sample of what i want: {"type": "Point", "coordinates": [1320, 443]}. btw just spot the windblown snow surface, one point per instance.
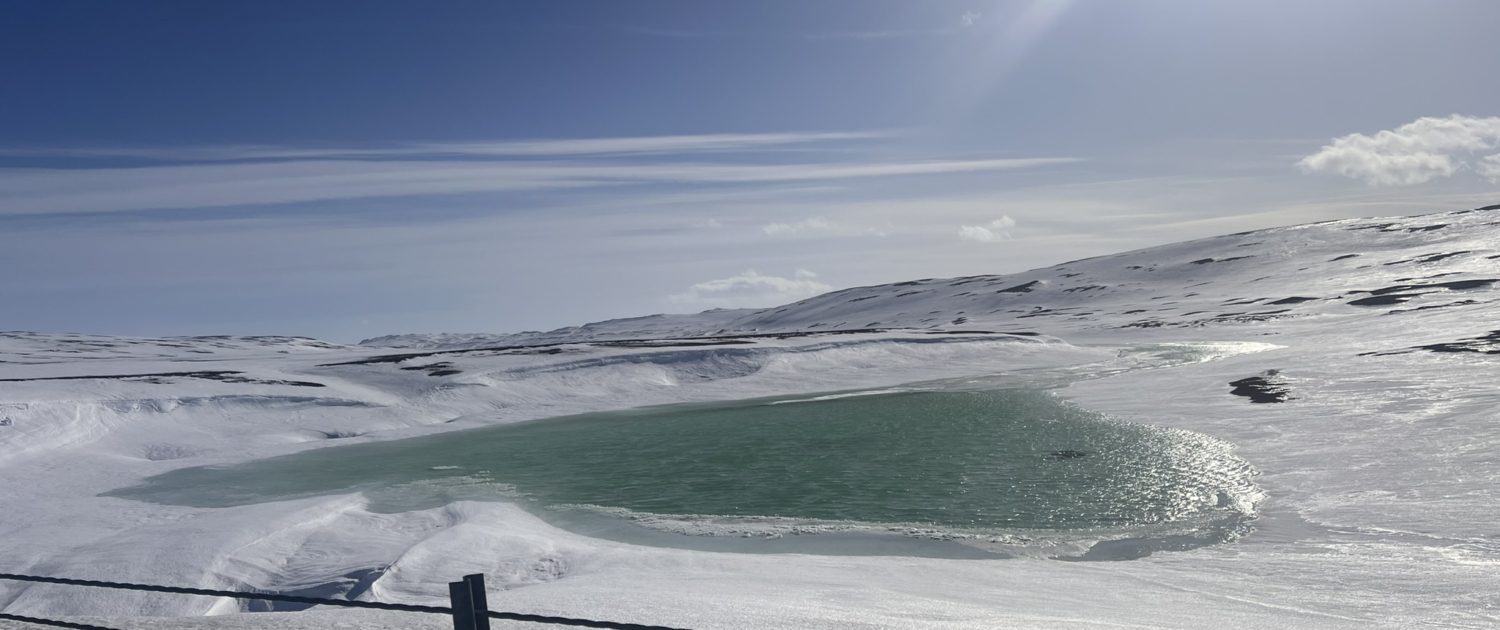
{"type": "Point", "coordinates": [1379, 338]}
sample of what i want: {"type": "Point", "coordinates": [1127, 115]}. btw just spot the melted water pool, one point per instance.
{"type": "Point", "coordinates": [1001, 460]}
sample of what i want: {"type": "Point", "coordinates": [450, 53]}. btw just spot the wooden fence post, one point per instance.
{"type": "Point", "coordinates": [477, 600]}
{"type": "Point", "coordinates": [463, 606]}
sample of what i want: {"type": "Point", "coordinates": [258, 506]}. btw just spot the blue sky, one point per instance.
{"type": "Point", "coordinates": [349, 169]}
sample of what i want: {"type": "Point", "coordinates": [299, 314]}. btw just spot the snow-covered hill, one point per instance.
{"type": "Point", "coordinates": [1352, 362]}
{"type": "Point", "coordinates": [1350, 268]}
{"type": "Point", "coordinates": [1333, 269]}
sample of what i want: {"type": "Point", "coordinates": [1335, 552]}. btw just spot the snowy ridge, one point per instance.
{"type": "Point", "coordinates": [1282, 273]}
{"type": "Point", "coordinates": [646, 327]}
{"type": "Point", "coordinates": [1430, 261]}
{"type": "Point", "coordinates": [1378, 463]}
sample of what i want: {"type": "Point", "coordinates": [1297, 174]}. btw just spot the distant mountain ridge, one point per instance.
{"type": "Point", "coordinates": [1353, 266]}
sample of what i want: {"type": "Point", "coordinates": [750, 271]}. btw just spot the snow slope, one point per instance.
{"type": "Point", "coordinates": [1298, 272]}
{"type": "Point", "coordinates": [1379, 467]}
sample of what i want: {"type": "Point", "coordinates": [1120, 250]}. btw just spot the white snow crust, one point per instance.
{"type": "Point", "coordinates": [1381, 474]}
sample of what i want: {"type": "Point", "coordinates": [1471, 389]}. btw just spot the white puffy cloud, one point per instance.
{"type": "Point", "coordinates": [1414, 153]}
{"type": "Point", "coordinates": [994, 231]}
{"type": "Point", "coordinates": [815, 224]}
{"type": "Point", "coordinates": [1489, 167]}
{"type": "Point", "coordinates": [752, 289]}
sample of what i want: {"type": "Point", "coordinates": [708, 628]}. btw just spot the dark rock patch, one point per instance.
{"type": "Point", "coordinates": [683, 342]}
{"type": "Point", "coordinates": [1344, 257]}
{"type": "Point", "coordinates": [1385, 300]}
{"type": "Point", "coordinates": [1266, 388]}
{"type": "Point", "coordinates": [263, 381]}
{"type": "Point", "coordinates": [984, 332]}
{"type": "Point", "coordinates": [1223, 318]}
{"type": "Point", "coordinates": [1395, 227]}
{"type": "Point", "coordinates": [968, 280]}
{"type": "Point", "coordinates": [1293, 300]}
{"type": "Point", "coordinates": [442, 368]}
{"type": "Point", "coordinates": [1436, 275]}
{"type": "Point", "coordinates": [1027, 287]}
{"type": "Point", "coordinates": [1205, 261]}
{"type": "Point", "coordinates": [1428, 258]}
{"type": "Point", "coordinates": [1402, 293]}
{"type": "Point", "coordinates": [553, 348]}
{"type": "Point", "coordinates": [539, 351]}
{"type": "Point", "coordinates": [1382, 227]}
{"type": "Point", "coordinates": [1455, 285]}
{"type": "Point", "coordinates": [1488, 343]}
{"type": "Point", "coordinates": [1432, 306]}
{"type": "Point", "coordinates": [162, 378]}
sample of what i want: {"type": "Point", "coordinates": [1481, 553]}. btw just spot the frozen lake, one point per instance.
{"type": "Point", "coordinates": [933, 462]}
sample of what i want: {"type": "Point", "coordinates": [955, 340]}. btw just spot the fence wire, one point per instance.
{"type": "Point", "coordinates": [50, 622]}
{"type": "Point", "coordinates": [443, 610]}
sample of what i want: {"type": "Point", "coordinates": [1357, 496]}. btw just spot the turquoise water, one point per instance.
{"type": "Point", "coordinates": [1000, 460]}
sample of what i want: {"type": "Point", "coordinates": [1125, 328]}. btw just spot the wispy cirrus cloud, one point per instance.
{"type": "Point", "coordinates": [1415, 153]}
{"type": "Point", "coordinates": [30, 191]}
{"type": "Point", "coordinates": [564, 147]}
